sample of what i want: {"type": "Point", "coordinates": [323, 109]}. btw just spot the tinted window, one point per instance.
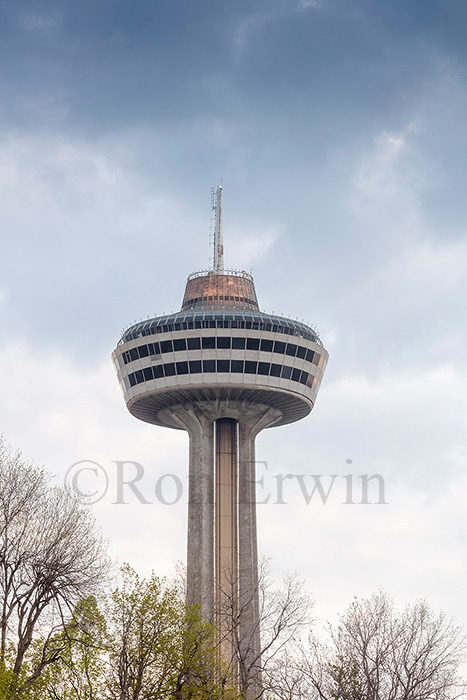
{"type": "Point", "coordinates": [158, 372]}
{"type": "Point", "coordinates": [309, 355]}
{"type": "Point", "coordinates": [180, 344]}
{"type": "Point", "coordinates": [195, 366]}
{"type": "Point", "coordinates": [252, 343]}
{"type": "Point", "coordinates": [208, 343]}
{"type": "Point", "coordinates": [223, 342]}
{"type": "Point", "coordinates": [291, 349]}
{"type": "Point", "coordinates": [139, 376]}
{"type": "Point", "coordinates": [147, 373]}
{"type": "Point", "coordinates": [209, 365]}
{"type": "Point", "coordinates": [166, 346]}
{"type": "Point", "coordinates": [194, 344]}
{"type": "Point", "coordinates": [133, 353]}
{"type": "Point", "coordinates": [143, 351]}
{"type": "Point", "coordinates": [286, 372]}
{"type": "Point", "coordinates": [182, 367]}
{"type": "Point", "coordinates": [238, 343]}
{"type": "Point", "coordinates": [250, 367]}
{"type": "Point", "coordinates": [237, 366]}
{"type": "Point", "coordinates": [296, 375]}
{"type": "Point", "coordinates": [169, 369]}
{"type": "Point", "coordinates": [266, 345]}
{"type": "Point", "coordinates": [301, 351]}
{"type": "Point", "coordinates": [279, 346]}
{"type": "Point", "coordinates": [263, 367]}
{"type": "Point", "coordinates": [275, 370]}
{"type": "Point", "coordinates": [304, 377]}
{"type": "Point", "coordinates": [223, 365]}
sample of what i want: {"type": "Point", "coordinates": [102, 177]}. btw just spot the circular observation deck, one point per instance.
{"type": "Point", "coordinates": [219, 350]}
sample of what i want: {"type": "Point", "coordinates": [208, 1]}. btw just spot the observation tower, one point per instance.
{"type": "Point", "coordinates": [223, 371]}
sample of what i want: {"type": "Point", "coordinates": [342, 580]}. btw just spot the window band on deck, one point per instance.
{"type": "Point", "coordinates": [171, 369]}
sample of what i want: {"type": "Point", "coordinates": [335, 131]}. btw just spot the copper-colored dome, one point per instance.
{"type": "Point", "coordinates": [209, 288]}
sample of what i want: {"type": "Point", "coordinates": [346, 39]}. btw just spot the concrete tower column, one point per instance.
{"type": "Point", "coordinates": [226, 516]}
{"type": "Point", "coordinates": [200, 538]}
{"type": "Point", "coordinates": [226, 537]}
{"type": "Point", "coordinates": [222, 569]}
{"type": "Point", "coordinates": [249, 621]}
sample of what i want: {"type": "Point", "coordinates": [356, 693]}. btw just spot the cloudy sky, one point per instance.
{"type": "Point", "coordinates": [339, 131]}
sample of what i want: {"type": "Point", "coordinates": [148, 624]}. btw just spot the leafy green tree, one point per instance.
{"type": "Point", "coordinates": [142, 618]}
{"type": "Point", "coordinates": [8, 684]}
{"type": "Point", "coordinates": [201, 673]}
{"type": "Point", "coordinates": [157, 647]}
{"type": "Point", "coordinates": [81, 665]}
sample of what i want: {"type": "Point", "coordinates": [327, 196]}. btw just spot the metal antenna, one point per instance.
{"type": "Point", "coordinates": [216, 204]}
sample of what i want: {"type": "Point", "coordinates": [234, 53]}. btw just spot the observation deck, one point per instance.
{"type": "Point", "coordinates": [219, 348]}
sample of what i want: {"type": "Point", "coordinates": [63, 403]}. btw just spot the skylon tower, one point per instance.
{"type": "Point", "coordinates": [223, 371]}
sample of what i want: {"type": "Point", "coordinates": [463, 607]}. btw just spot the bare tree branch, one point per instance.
{"type": "Point", "coordinates": [50, 557]}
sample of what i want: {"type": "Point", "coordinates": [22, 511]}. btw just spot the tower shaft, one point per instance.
{"type": "Point", "coordinates": [226, 519]}
{"type": "Point", "coordinates": [222, 568]}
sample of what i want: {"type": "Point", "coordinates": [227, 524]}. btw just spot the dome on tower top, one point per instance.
{"type": "Point", "coordinates": [210, 289]}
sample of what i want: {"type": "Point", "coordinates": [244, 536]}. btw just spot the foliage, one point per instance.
{"type": "Point", "coordinates": [158, 648]}
{"type": "Point", "coordinates": [8, 684]}
{"type": "Point", "coordinates": [145, 645]}
{"type": "Point", "coordinates": [80, 667]}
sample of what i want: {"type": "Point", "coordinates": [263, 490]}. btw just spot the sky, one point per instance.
{"type": "Point", "coordinates": [339, 132]}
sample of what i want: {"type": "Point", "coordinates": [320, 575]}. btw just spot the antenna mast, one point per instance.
{"type": "Point", "coordinates": [218, 264]}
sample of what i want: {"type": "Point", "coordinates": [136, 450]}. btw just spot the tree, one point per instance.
{"type": "Point", "coordinates": [283, 613]}
{"type": "Point", "coordinates": [379, 653]}
{"type": "Point", "coordinates": [142, 618]}
{"type": "Point", "coordinates": [158, 648]}
{"type": "Point", "coordinates": [81, 666]}
{"type": "Point", "coordinates": [144, 644]}
{"type": "Point", "coordinates": [51, 557]}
